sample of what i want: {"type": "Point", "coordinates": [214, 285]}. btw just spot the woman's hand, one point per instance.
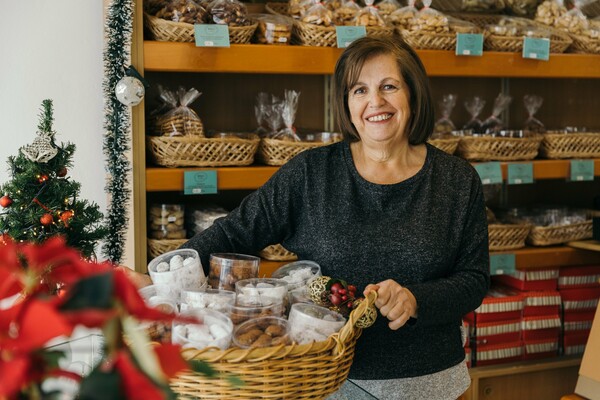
{"type": "Point", "coordinates": [394, 302]}
{"type": "Point", "coordinates": [138, 279]}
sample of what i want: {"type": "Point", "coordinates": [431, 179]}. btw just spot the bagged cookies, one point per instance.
{"type": "Point", "coordinates": [318, 14]}
{"type": "Point", "coordinates": [532, 105]}
{"type": "Point", "coordinates": [346, 13]}
{"type": "Point", "coordinates": [386, 7]}
{"type": "Point", "coordinates": [186, 11]}
{"type": "Point", "coordinates": [273, 29]}
{"type": "Point", "coordinates": [444, 124]}
{"type": "Point", "coordinates": [229, 12]}
{"type": "Point", "coordinates": [166, 221]}
{"type": "Point", "coordinates": [429, 20]}
{"type": "Point", "coordinates": [179, 119]}
{"type": "Point", "coordinates": [369, 16]}
{"type": "Point", "coordinates": [288, 116]}
{"type": "Point", "coordinates": [493, 123]}
{"type": "Point", "coordinates": [474, 106]}
{"type": "Point", "coordinates": [403, 17]}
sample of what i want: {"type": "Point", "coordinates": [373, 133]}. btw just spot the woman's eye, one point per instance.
{"type": "Point", "coordinates": [389, 87]}
{"type": "Point", "coordinates": [359, 90]}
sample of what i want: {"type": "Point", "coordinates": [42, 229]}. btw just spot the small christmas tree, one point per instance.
{"type": "Point", "coordinates": [41, 201]}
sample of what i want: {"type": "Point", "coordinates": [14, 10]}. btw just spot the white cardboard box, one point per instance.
{"type": "Point", "coordinates": [588, 383]}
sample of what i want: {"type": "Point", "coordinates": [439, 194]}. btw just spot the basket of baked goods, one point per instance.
{"type": "Point", "coordinates": [508, 33]}
{"type": "Point", "coordinates": [443, 136]}
{"type": "Point", "coordinates": [505, 233]}
{"type": "Point", "coordinates": [429, 28]}
{"type": "Point", "coordinates": [584, 32]}
{"type": "Point", "coordinates": [556, 225]}
{"type": "Point", "coordinates": [179, 139]}
{"type": "Point", "coordinates": [166, 228]}
{"type": "Point", "coordinates": [174, 20]}
{"type": "Point", "coordinates": [276, 252]}
{"type": "Point", "coordinates": [571, 142]}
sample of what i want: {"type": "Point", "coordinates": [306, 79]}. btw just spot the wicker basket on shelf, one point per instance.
{"type": "Point", "coordinates": [559, 40]}
{"type": "Point", "coordinates": [428, 40]}
{"type": "Point", "coordinates": [156, 247]}
{"type": "Point", "coordinates": [449, 144]}
{"type": "Point", "coordinates": [307, 371]}
{"type": "Point", "coordinates": [307, 34]}
{"type": "Point", "coordinates": [277, 152]}
{"type": "Point", "coordinates": [189, 151]}
{"type": "Point", "coordinates": [169, 31]}
{"type": "Point", "coordinates": [549, 235]}
{"type": "Point", "coordinates": [485, 148]}
{"type": "Point", "coordinates": [584, 44]}
{"type": "Point", "coordinates": [570, 145]}
{"type": "Point", "coordinates": [507, 236]}
{"type": "Point", "coordinates": [277, 252]}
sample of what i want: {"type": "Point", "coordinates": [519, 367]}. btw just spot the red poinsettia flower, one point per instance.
{"type": "Point", "coordinates": [135, 384]}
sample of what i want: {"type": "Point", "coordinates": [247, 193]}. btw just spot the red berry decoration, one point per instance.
{"type": "Point", "coordinates": [46, 219]}
{"type": "Point", "coordinates": [5, 201]}
{"type": "Point", "coordinates": [42, 178]}
{"type": "Point", "coordinates": [61, 173]}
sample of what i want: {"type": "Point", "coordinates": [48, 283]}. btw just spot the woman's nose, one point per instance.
{"type": "Point", "coordinates": [376, 99]}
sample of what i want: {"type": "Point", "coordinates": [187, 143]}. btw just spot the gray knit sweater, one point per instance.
{"type": "Point", "coordinates": [428, 233]}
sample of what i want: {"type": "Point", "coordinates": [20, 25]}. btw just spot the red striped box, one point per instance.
{"type": "Point", "coordinates": [574, 342]}
{"type": "Point", "coordinates": [468, 356]}
{"type": "Point", "coordinates": [540, 327]}
{"type": "Point", "coordinates": [580, 299]}
{"type": "Point", "coordinates": [489, 354]}
{"type": "Point", "coordinates": [539, 279]}
{"type": "Point", "coordinates": [496, 332]}
{"type": "Point", "coordinates": [541, 303]}
{"type": "Point", "coordinates": [579, 277]}
{"type": "Point", "coordinates": [500, 303]}
{"type": "Point", "coordinates": [575, 320]}
{"type": "Point", "coordinates": [543, 348]}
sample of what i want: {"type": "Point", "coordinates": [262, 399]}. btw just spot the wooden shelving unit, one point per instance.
{"type": "Point", "coordinates": [554, 256]}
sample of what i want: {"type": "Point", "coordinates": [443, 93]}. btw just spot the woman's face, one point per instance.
{"type": "Point", "coordinates": [379, 102]}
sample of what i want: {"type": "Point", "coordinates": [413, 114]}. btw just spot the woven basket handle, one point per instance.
{"type": "Point", "coordinates": [349, 329]}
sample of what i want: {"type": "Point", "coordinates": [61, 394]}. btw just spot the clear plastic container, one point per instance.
{"type": "Point", "coordinates": [215, 330]}
{"type": "Point", "coordinates": [262, 332]}
{"type": "Point", "coordinates": [158, 297]}
{"type": "Point", "coordinates": [299, 295]}
{"type": "Point", "coordinates": [215, 299]}
{"type": "Point", "coordinates": [261, 291]}
{"type": "Point", "coordinates": [228, 268]}
{"type": "Point", "coordinates": [178, 269]}
{"type": "Point", "coordinates": [310, 322]}
{"type": "Point", "coordinates": [240, 314]}
{"type": "Point", "coordinates": [297, 273]}
{"type": "Point", "coordinates": [166, 221]}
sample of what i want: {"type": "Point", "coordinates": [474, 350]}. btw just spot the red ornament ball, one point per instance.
{"type": "Point", "coordinates": [5, 201]}
{"type": "Point", "coordinates": [46, 219]}
{"type": "Point", "coordinates": [43, 178]}
{"type": "Point", "coordinates": [61, 173]}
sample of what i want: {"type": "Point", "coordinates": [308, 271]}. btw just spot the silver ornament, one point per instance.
{"type": "Point", "coordinates": [130, 91]}
{"type": "Point", "coordinates": [41, 150]}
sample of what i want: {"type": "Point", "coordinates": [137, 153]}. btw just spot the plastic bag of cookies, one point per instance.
{"type": "Point", "coordinates": [474, 106]}
{"type": "Point", "coordinates": [229, 12]}
{"type": "Point", "coordinates": [549, 11]}
{"type": "Point", "coordinates": [345, 14]}
{"type": "Point", "coordinates": [485, 6]}
{"type": "Point", "coordinates": [332, 4]}
{"type": "Point", "coordinates": [369, 16]}
{"type": "Point", "coordinates": [166, 221]}
{"type": "Point", "coordinates": [403, 17]}
{"type": "Point", "coordinates": [461, 26]}
{"type": "Point", "coordinates": [532, 104]}
{"type": "Point", "coordinates": [429, 20]}
{"type": "Point", "coordinates": [574, 21]}
{"type": "Point", "coordinates": [273, 29]}
{"type": "Point", "coordinates": [522, 7]}
{"type": "Point", "coordinates": [493, 123]}
{"type": "Point", "coordinates": [386, 7]}
{"type": "Point", "coordinates": [179, 119]}
{"type": "Point", "coordinates": [318, 14]}
{"type": "Point", "coordinates": [186, 11]}
{"type": "Point", "coordinates": [288, 115]}
{"type": "Point", "coordinates": [444, 124]}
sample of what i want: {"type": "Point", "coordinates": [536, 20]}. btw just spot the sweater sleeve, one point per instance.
{"type": "Point", "coordinates": [448, 299]}
{"type": "Point", "coordinates": [264, 217]}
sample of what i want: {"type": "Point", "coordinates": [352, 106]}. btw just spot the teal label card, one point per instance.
{"type": "Point", "coordinates": [469, 44]}
{"type": "Point", "coordinates": [536, 48]}
{"type": "Point", "coordinates": [211, 35]}
{"type": "Point", "coordinates": [348, 34]}
{"type": "Point", "coordinates": [200, 182]}
{"type": "Point", "coordinates": [502, 264]}
{"type": "Point", "coordinates": [490, 173]}
{"type": "Point", "coordinates": [582, 170]}
{"type": "Point", "coordinates": [520, 173]}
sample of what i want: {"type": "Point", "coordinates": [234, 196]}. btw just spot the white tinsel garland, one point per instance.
{"type": "Point", "coordinates": [117, 124]}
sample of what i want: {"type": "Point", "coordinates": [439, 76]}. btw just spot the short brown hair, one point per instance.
{"type": "Point", "coordinates": [347, 71]}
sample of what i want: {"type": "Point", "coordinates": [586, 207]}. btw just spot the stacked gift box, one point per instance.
{"type": "Point", "coordinates": [579, 288]}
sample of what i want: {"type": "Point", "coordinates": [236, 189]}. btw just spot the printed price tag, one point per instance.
{"type": "Point", "coordinates": [502, 264]}
{"type": "Point", "coordinates": [582, 170]}
{"type": "Point", "coordinates": [211, 35]}
{"type": "Point", "coordinates": [348, 34]}
{"type": "Point", "coordinates": [469, 44]}
{"type": "Point", "coordinates": [200, 182]}
{"type": "Point", "coordinates": [520, 173]}
{"type": "Point", "coordinates": [490, 173]}
{"type": "Point", "coordinates": [536, 48]}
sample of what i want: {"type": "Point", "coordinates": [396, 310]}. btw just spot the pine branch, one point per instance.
{"type": "Point", "coordinates": [46, 117]}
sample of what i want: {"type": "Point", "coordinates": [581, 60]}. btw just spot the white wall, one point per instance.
{"type": "Point", "coordinates": [53, 49]}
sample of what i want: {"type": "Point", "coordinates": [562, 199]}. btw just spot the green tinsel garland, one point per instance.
{"type": "Point", "coordinates": [117, 126]}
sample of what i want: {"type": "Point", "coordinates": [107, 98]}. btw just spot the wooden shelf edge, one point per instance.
{"type": "Point", "coordinates": [520, 367]}
{"type": "Point", "coordinates": [268, 59]}
{"type": "Point", "coordinates": [554, 256]}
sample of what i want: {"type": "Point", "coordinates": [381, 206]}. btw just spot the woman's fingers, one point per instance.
{"type": "Point", "coordinates": [394, 302]}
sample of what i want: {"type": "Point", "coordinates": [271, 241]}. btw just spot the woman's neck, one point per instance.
{"type": "Point", "coordinates": [385, 164]}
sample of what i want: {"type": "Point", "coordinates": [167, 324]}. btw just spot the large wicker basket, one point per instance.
{"type": "Point", "coordinates": [156, 247]}
{"type": "Point", "coordinates": [308, 371]}
{"type": "Point", "coordinates": [428, 41]}
{"type": "Point", "coordinates": [277, 252]}
{"type": "Point", "coordinates": [277, 152]}
{"type": "Point", "coordinates": [307, 34]}
{"type": "Point", "coordinates": [449, 144]}
{"type": "Point", "coordinates": [169, 31]}
{"type": "Point", "coordinates": [484, 148]}
{"type": "Point", "coordinates": [549, 235]}
{"type": "Point", "coordinates": [570, 145]}
{"type": "Point", "coordinates": [507, 236]}
{"type": "Point", "coordinates": [584, 44]}
{"type": "Point", "coordinates": [189, 151]}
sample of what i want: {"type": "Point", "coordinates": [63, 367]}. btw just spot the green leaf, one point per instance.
{"type": "Point", "coordinates": [235, 381]}
{"type": "Point", "coordinates": [141, 348]}
{"type": "Point", "coordinates": [101, 385]}
{"type": "Point", "coordinates": [93, 292]}
{"type": "Point", "coordinates": [52, 357]}
{"type": "Point", "coordinates": [202, 367]}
